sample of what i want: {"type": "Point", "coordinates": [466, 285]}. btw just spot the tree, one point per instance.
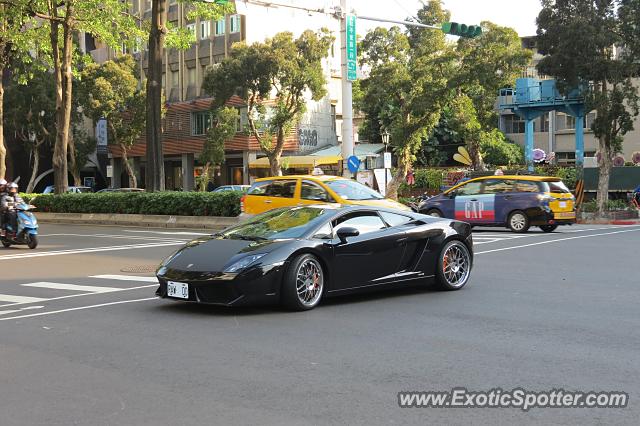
{"type": "Point", "coordinates": [83, 146]}
{"type": "Point", "coordinates": [31, 116]}
{"type": "Point", "coordinates": [16, 40]}
{"type": "Point", "coordinates": [289, 69]}
{"type": "Point", "coordinates": [408, 85]}
{"type": "Point", "coordinates": [180, 38]}
{"type": "Point", "coordinates": [593, 45]}
{"type": "Point", "coordinates": [223, 128]}
{"type": "Point", "coordinates": [110, 91]}
{"type": "Point", "coordinates": [107, 20]}
{"type": "Point", "coordinates": [498, 151]}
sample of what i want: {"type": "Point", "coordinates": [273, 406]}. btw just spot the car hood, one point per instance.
{"type": "Point", "coordinates": [385, 202]}
{"type": "Point", "coordinates": [212, 254]}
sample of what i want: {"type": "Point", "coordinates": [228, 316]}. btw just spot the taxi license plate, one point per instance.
{"type": "Point", "coordinates": [567, 215]}
{"type": "Point", "coordinates": [179, 290]}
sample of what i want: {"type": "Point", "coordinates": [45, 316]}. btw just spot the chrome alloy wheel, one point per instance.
{"type": "Point", "coordinates": [456, 265]}
{"type": "Point", "coordinates": [518, 222]}
{"type": "Point", "coordinates": [309, 282]}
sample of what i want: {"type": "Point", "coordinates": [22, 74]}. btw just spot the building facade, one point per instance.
{"type": "Point", "coordinates": [187, 116]}
{"type": "Point", "coordinates": [555, 131]}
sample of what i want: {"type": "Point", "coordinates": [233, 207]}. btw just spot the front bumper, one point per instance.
{"type": "Point", "coordinates": [259, 285]}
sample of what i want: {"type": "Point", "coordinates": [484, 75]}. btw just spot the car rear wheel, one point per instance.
{"type": "Point", "coordinates": [303, 284]}
{"type": "Point", "coordinates": [454, 266]}
{"type": "Point", "coordinates": [548, 228]}
{"type": "Point", "coordinates": [518, 222]}
{"type": "Point", "coordinates": [434, 213]}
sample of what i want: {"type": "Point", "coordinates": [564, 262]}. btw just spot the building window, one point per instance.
{"type": "Point", "coordinates": [200, 123]}
{"type": "Point", "coordinates": [544, 121]}
{"type": "Point", "coordinates": [191, 76]}
{"type": "Point", "coordinates": [191, 28]}
{"type": "Point", "coordinates": [220, 27]}
{"type": "Point", "coordinates": [205, 30]}
{"type": "Point", "coordinates": [513, 124]}
{"type": "Point", "coordinates": [175, 79]}
{"type": "Point", "coordinates": [333, 118]}
{"type": "Point", "coordinates": [234, 24]}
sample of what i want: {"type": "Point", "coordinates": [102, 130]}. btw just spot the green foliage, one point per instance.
{"type": "Point", "coordinates": [84, 146]}
{"type": "Point", "coordinates": [441, 144]}
{"type": "Point", "coordinates": [429, 178]}
{"type": "Point", "coordinates": [157, 203]}
{"type": "Point", "coordinates": [498, 151]}
{"type": "Point", "coordinates": [291, 68]}
{"type": "Point", "coordinates": [223, 128]}
{"type": "Point", "coordinates": [611, 205]}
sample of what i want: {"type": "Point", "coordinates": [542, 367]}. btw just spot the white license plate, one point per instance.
{"type": "Point", "coordinates": [563, 204]}
{"type": "Point", "coordinates": [179, 290]}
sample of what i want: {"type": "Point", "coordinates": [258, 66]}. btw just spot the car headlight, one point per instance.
{"type": "Point", "coordinates": [243, 263]}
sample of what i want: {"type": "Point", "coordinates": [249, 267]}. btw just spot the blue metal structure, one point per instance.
{"type": "Point", "coordinates": [533, 98]}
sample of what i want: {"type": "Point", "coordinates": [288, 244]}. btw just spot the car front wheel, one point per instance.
{"type": "Point", "coordinates": [303, 284]}
{"type": "Point", "coordinates": [518, 222]}
{"type": "Point", "coordinates": [434, 213]}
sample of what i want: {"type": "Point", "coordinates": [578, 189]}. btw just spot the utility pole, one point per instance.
{"type": "Point", "coordinates": [347, 99]}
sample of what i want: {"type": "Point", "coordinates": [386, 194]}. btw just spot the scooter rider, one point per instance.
{"type": "Point", "coordinates": [7, 205]}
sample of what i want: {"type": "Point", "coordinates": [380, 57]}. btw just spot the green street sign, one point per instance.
{"type": "Point", "coordinates": [352, 46]}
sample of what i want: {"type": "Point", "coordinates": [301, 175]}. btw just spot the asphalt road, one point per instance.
{"type": "Point", "coordinates": [84, 341]}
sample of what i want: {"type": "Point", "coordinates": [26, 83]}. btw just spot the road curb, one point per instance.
{"type": "Point", "coordinates": [608, 222]}
{"type": "Point", "coordinates": [150, 221]}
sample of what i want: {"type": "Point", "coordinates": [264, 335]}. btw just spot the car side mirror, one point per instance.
{"type": "Point", "coordinates": [452, 194]}
{"type": "Point", "coordinates": [346, 232]}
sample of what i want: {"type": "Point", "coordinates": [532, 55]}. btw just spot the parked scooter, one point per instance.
{"type": "Point", "coordinates": [27, 232]}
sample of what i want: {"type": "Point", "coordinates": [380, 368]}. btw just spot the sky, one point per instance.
{"type": "Point", "coordinates": [518, 14]}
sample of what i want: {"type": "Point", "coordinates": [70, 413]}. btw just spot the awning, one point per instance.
{"type": "Point", "coordinates": [297, 161]}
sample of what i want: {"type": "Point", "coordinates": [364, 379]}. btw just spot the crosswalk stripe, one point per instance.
{"type": "Point", "coordinates": [71, 287]}
{"type": "Point", "coordinates": [19, 299]}
{"type": "Point", "coordinates": [126, 278]}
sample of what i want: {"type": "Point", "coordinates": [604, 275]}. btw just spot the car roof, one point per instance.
{"type": "Point", "coordinates": [516, 177]}
{"type": "Point", "coordinates": [356, 207]}
{"type": "Point", "coordinates": [322, 178]}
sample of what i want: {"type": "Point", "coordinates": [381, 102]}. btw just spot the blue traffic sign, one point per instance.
{"type": "Point", "coordinates": [353, 164]}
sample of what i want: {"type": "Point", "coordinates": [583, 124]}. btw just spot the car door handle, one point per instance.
{"type": "Point", "coordinates": [401, 241]}
{"type": "Point", "coordinates": [473, 199]}
{"type": "Point", "coordinates": [267, 201]}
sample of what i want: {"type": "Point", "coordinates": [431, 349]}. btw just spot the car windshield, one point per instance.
{"type": "Point", "coordinates": [556, 186]}
{"type": "Point", "coordinates": [352, 190]}
{"type": "Point", "coordinates": [277, 224]}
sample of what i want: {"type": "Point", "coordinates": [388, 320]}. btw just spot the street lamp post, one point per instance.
{"type": "Point", "coordinates": [385, 140]}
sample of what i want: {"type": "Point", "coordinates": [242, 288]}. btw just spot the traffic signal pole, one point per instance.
{"type": "Point", "coordinates": [347, 98]}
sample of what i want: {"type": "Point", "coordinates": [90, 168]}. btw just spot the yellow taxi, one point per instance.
{"type": "Point", "coordinates": [288, 191]}
{"type": "Point", "coordinates": [516, 202]}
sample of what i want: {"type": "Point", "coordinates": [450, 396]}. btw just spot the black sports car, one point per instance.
{"type": "Point", "coordinates": [299, 255]}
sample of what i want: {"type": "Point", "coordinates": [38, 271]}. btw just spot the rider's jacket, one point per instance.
{"type": "Point", "coordinates": [9, 201]}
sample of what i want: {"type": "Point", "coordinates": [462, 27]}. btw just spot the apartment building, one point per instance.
{"type": "Point", "coordinates": [187, 118]}
{"type": "Point", "coordinates": [555, 131]}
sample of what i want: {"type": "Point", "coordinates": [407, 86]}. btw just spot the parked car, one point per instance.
{"type": "Point", "coordinates": [242, 188]}
{"type": "Point", "coordinates": [72, 189]}
{"type": "Point", "coordinates": [121, 190]}
{"type": "Point", "coordinates": [288, 191]}
{"type": "Point", "coordinates": [299, 255]}
{"type": "Point", "coordinates": [517, 202]}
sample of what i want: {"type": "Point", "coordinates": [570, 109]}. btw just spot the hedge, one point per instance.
{"type": "Point", "coordinates": [157, 203]}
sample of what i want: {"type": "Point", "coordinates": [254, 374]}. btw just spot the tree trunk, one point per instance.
{"type": "Point", "coordinates": [404, 164]}
{"type": "Point", "coordinates": [74, 168]}
{"type": "Point", "coordinates": [133, 181]}
{"type": "Point", "coordinates": [36, 167]}
{"type": "Point", "coordinates": [204, 180]}
{"type": "Point", "coordinates": [3, 148]}
{"type": "Point", "coordinates": [155, 161]}
{"type": "Point", "coordinates": [605, 165]}
{"type": "Point", "coordinates": [476, 157]}
{"type": "Point", "coordinates": [274, 156]}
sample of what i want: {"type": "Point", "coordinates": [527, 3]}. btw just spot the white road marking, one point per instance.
{"type": "Point", "coordinates": [114, 236]}
{"type": "Point", "coordinates": [13, 311]}
{"type": "Point", "coordinates": [126, 278]}
{"type": "Point", "coordinates": [79, 308]}
{"type": "Point", "coordinates": [78, 295]}
{"type": "Point", "coordinates": [170, 233]}
{"type": "Point", "coordinates": [557, 240]}
{"type": "Point", "coordinates": [19, 299]}
{"type": "Point", "coordinates": [88, 250]}
{"type": "Point", "coordinates": [71, 287]}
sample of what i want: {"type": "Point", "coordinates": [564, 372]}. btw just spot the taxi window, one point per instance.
{"type": "Point", "coordinates": [526, 186]}
{"type": "Point", "coordinates": [281, 188]}
{"type": "Point", "coordinates": [259, 188]}
{"type": "Point", "coordinates": [313, 191]}
{"type": "Point", "coordinates": [472, 188]}
{"type": "Point", "coordinates": [496, 186]}
{"type": "Point", "coordinates": [557, 186]}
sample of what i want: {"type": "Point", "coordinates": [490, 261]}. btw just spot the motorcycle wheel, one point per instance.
{"type": "Point", "coordinates": [6, 243]}
{"type": "Point", "coordinates": [32, 242]}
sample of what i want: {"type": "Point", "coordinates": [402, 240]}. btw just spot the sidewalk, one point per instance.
{"type": "Point", "coordinates": [151, 221]}
{"type": "Point", "coordinates": [608, 221]}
